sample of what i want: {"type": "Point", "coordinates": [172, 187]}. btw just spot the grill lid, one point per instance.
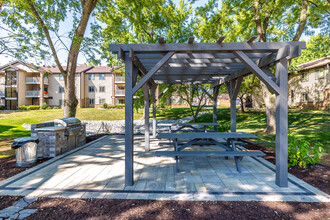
{"type": "Point", "coordinates": [68, 122]}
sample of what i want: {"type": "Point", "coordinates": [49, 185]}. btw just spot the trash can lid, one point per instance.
{"type": "Point", "coordinates": [19, 142]}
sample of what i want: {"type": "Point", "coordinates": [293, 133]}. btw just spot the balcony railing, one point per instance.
{"type": "Point", "coordinates": [2, 94]}
{"type": "Point", "coordinates": [120, 92]}
{"type": "Point", "coordinates": [35, 80]}
{"type": "Point", "coordinates": [33, 94]}
{"type": "Point", "coordinates": [119, 79]}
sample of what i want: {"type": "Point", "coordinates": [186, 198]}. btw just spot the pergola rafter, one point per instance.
{"type": "Point", "coordinates": [207, 63]}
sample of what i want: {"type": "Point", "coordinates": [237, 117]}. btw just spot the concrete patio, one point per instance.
{"type": "Point", "coordinates": [96, 170]}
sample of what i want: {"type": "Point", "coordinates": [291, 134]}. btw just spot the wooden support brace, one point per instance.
{"type": "Point", "coordinates": [148, 76]}
{"type": "Point", "coordinates": [206, 92]}
{"type": "Point", "coordinates": [154, 122]}
{"type": "Point", "coordinates": [163, 92]}
{"type": "Point", "coordinates": [257, 71]}
{"type": "Point", "coordinates": [191, 40]}
{"type": "Point", "coordinates": [161, 40]}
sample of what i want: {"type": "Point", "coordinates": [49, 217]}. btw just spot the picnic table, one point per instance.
{"type": "Point", "coordinates": [208, 138]}
{"type": "Point", "coordinates": [189, 126]}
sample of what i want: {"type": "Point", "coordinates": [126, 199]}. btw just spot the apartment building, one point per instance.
{"type": "Point", "coordinates": [310, 88]}
{"type": "Point", "coordinates": [25, 84]}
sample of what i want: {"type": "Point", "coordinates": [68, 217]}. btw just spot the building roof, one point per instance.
{"type": "Point", "coordinates": [79, 69]}
{"type": "Point", "coordinates": [17, 62]}
{"type": "Point", "coordinates": [314, 63]}
{"type": "Point", "coordinates": [103, 69]}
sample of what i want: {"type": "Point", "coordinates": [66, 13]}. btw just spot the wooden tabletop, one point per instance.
{"type": "Point", "coordinates": [206, 135]}
{"type": "Point", "coordinates": [188, 124]}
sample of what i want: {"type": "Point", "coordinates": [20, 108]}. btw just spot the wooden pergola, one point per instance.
{"type": "Point", "coordinates": [207, 63]}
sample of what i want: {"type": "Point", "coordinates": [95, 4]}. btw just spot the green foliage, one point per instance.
{"type": "Point", "coordinates": [23, 107]}
{"type": "Point", "coordinates": [317, 47]}
{"type": "Point", "coordinates": [33, 107]}
{"type": "Point", "coordinates": [224, 127]}
{"type": "Point", "coordinates": [44, 106]}
{"type": "Point", "coordinates": [116, 106]}
{"type": "Point", "coordinates": [49, 107]}
{"type": "Point", "coordinates": [105, 105]}
{"type": "Point", "coordinates": [143, 21]}
{"type": "Point", "coordinates": [55, 107]}
{"type": "Point", "coordinates": [2, 107]}
{"type": "Point", "coordinates": [302, 152]}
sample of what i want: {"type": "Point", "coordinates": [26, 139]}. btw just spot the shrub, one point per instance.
{"type": "Point", "coordinates": [49, 107]}
{"type": "Point", "coordinates": [55, 107]}
{"type": "Point", "coordinates": [301, 152]}
{"type": "Point", "coordinates": [2, 107]}
{"type": "Point", "coordinates": [44, 105]}
{"type": "Point", "coordinates": [23, 107]}
{"type": "Point", "coordinates": [105, 105]}
{"type": "Point", "coordinates": [33, 107]}
{"type": "Point", "coordinates": [223, 127]}
{"type": "Point", "coordinates": [116, 106]}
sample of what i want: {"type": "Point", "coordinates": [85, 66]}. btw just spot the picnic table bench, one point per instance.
{"type": "Point", "coordinates": [190, 126]}
{"type": "Point", "coordinates": [208, 138]}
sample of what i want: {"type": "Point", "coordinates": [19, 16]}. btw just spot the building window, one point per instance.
{"type": "Point", "coordinates": [319, 96]}
{"type": "Point", "coordinates": [304, 97]}
{"type": "Point", "coordinates": [101, 76]}
{"type": "Point", "coordinates": [91, 89]}
{"type": "Point", "coordinates": [61, 89]}
{"type": "Point", "coordinates": [60, 102]}
{"type": "Point", "coordinates": [304, 76]}
{"type": "Point", "coordinates": [102, 89]}
{"type": "Point", "coordinates": [91, 76]}
{"type": "Point", "coordinates": [121, 101]}
{"type": "Point", "coordinates": [102, 101]}
{"type": "Point", "coordinates": [91, 101]}
{"type": "Point", "coordinates": [320, 73]}
{"type": "Point", "coordinates": [61, 76]}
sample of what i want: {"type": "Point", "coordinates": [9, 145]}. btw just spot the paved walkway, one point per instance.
{"type": "Point", "coordinates": [96, 170]}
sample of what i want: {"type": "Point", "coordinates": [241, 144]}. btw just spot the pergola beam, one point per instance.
{"type": "Point", "coordinates": [205, 91]}
{"type": "Point", "coordinates": [205, 47]}
{"type": "Point", "coordinates": [251, 39]}
{"type": "Point", "coordinates": [148, 76]}
{"type": "Point", "coordinates": [219, 41]}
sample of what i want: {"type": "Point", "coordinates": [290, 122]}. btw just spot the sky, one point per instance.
{"type": "Point", "coordinates": [67, 25]}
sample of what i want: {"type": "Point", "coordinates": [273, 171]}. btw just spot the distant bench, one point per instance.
{"type": "Point", "coordinates": [208, 138]}
{"type": "Point", "coordinates": [189, 126]}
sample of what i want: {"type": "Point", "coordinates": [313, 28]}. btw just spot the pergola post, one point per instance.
{"type": "Point", "coordinates": [215, 104]}
{"type": "Point", "coordinates": [233, 87]}
{"type": "Point", "coordinates": [282, 123]}
{"type": "Point", "coordinates": [154, 122]}
{"type": "Point", "coordinates": [129, 139]}
{"type": "Point", "coordinates": [146, 95]}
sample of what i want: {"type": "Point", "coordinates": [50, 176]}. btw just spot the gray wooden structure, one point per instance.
{"type": "Point", "coordinates": [207, 63]}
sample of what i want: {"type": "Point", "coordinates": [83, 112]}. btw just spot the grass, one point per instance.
{"type": "Point", "coordinates": [313, 127]}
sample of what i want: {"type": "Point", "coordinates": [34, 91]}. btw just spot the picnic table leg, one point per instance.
{"type": "Point", "coordinates": [228, 144]}
{"type": "Point", "coordinates": [237, 159]}
{"type": "Point", "coordinates": [176, 157]}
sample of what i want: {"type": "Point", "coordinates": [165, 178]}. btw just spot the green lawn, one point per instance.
{"type": "Point", "coordinates": [313, 127]}
{"type": "Point", "coordinates": [11, 122]}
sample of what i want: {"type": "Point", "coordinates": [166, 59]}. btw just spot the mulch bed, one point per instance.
{"type": "Point", "coordinates": [317, 175]}
{"type": "Point", "coordinates": [6, 201]}
{"type": "Point", "coordinates": [53, 208]}
{"type": "Point", "coordinates": [8, 167]}
{"type": "Point", "coordinates": [94, 137]}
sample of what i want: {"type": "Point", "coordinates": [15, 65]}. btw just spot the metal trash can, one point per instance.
{"type": "Point", "coordinates": [26, 151]}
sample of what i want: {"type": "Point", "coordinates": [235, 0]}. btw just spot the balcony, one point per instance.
{"type": "Point", "coordinates": [33, 94]}
{"type": "Point", "coordinates": [119, 79]}
{"type": "Point", "coordinates": [120, 92]}
{"type": "Point", "coordinates": [35, 80]}
{"type": "Point", "coordinates": [2, 93]}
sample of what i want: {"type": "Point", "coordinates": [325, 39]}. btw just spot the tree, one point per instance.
{"type": "Point", "coordinates": [40, 22]}
{"type": "Point", "coordinates": [250, 85]}
{"type": "Point", "coordinates": [317, 47]}
{"type": "Point", "coordinates": [270, 21]}
{"type": "Point", "coordinates": [194, 96]}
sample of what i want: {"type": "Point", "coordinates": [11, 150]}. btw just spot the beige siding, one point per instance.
{"type": "Point", "coordinates": [53, 89]}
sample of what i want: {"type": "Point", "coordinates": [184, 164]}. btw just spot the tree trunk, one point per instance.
{"type": "Point", "coordinates": [242, 104]}
{"type": "Point", "coordinates": [302, 20]}
{"type": "Point", "coordinates": [269, 100]}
